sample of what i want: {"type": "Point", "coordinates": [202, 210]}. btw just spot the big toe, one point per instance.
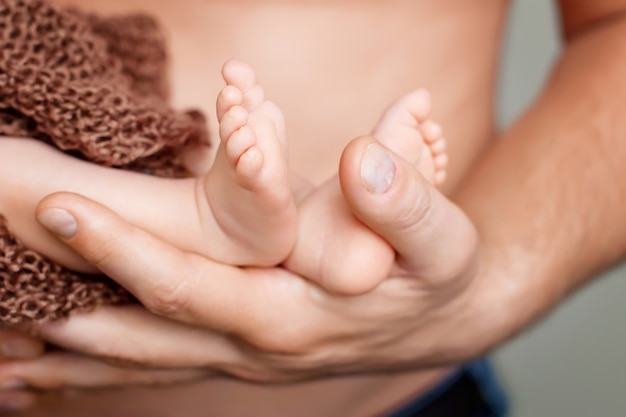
{"type": "Point", "coordinates": [418, 103]}
{"type": "Point", "coordinates": [410, 110]}
{"type": "Point", "coordinates": [241, 75]}
{"type": "Point", "coordinates": [399, 126]}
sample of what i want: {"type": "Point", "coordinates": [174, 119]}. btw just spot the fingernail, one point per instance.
{"type": "Point", "coordinates": [377, 169]}
{"type": "Point", "coordinates": [58, 221]}
{"type": "Point", "coordinates": [20, 349]}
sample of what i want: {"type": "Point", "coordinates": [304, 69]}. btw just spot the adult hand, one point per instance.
{"type": "Point", "coordinates": [15, 346]}
{"type": "Point", "coordinates": [268, 324]}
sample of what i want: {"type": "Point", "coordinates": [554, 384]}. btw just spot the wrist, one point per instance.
{"type": "Point", "coordinates": [509, 292]}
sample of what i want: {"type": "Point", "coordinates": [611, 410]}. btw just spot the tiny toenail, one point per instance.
{"type": "Point", "coordinates": [58, 221]}
{"type": "Point", "coordinates": [377, 169]}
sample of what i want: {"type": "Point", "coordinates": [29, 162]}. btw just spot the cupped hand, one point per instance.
{"type": "Point", "coordinates": [269, 325]}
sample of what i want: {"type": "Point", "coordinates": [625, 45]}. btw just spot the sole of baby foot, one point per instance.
{"type": "Point", "coordinates": [248, 187]}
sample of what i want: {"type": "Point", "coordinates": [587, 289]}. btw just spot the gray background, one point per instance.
{"type": "Point", "coordinates": [572, 364]}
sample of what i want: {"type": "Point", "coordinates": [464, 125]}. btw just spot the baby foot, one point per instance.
{"type": "Point", "coordinates": [339, 252]}
{"type": "Point", "coordinates": [406, 129]}
{"type": "Point", "coordinates": [248, 186]}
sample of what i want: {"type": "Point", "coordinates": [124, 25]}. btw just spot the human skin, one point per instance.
{"type": "Point", "coordinates": [539, 240]}
{"type": "Point", "coordinates": [190, 214]}
{"type": "Point", "coordinates": [241, 212]}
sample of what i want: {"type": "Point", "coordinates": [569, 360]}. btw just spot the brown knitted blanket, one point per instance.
{"type": "Point", "coordinates": [96, 88]}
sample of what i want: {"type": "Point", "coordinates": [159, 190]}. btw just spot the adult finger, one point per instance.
{"type": "Point", "coordinates": [132, 335]}
{"type": "Point", "coordinates": [15, 400]}
{"type": "Point", "coordinates": [16, 345]}
{"type": "Point", "coordinates": [65, 370]}
{"type": "Point", "coordinates": [168, 281]}
{"type": "Point", "coordinates": [432, 236]}
{"type": "Point", "coordinates": [265, 307]}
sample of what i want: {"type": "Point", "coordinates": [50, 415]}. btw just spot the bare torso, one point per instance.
{"type": "Point", "coordinates": [332, 67]}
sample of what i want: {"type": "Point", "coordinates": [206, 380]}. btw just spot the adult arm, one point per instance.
{"type": "Point", "coordinates": [548, 197]}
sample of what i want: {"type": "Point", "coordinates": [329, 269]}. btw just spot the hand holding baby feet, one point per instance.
{"type": "Point", "coordinates": [331, 239]}
{"type": "Point", "coordinates": [248, 189]}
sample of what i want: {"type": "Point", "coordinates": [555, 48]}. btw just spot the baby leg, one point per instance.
{"type": "Point", "coordinates": [30, 170]}
{"type": "Point", "coordinates": [334, 248]}
{"type": "Point", "coordinates": [241, 213]}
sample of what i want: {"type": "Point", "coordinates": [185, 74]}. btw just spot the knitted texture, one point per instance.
{"type": "Point", "coordinates": [94, 87]}
{"type": "Point", "coordinates": [36, 290]}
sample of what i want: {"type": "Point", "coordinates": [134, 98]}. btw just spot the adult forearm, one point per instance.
{"type": "Point", "coordinates": [548, 198]}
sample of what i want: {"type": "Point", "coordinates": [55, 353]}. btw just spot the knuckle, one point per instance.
{"type": "Point", "coordinates": [169, 298]}
{"type": "Point", "coordinates": [282, 340]}
{"type": "Point", "coordinates": [293, 342]}
{"type": "Point", "coordinates": [414, 212]}
{"type": "Point", "coordinates": [286, 356]}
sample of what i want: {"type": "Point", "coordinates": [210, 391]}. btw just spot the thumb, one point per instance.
{"type": "Point", "coordinates": [432, 236]}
